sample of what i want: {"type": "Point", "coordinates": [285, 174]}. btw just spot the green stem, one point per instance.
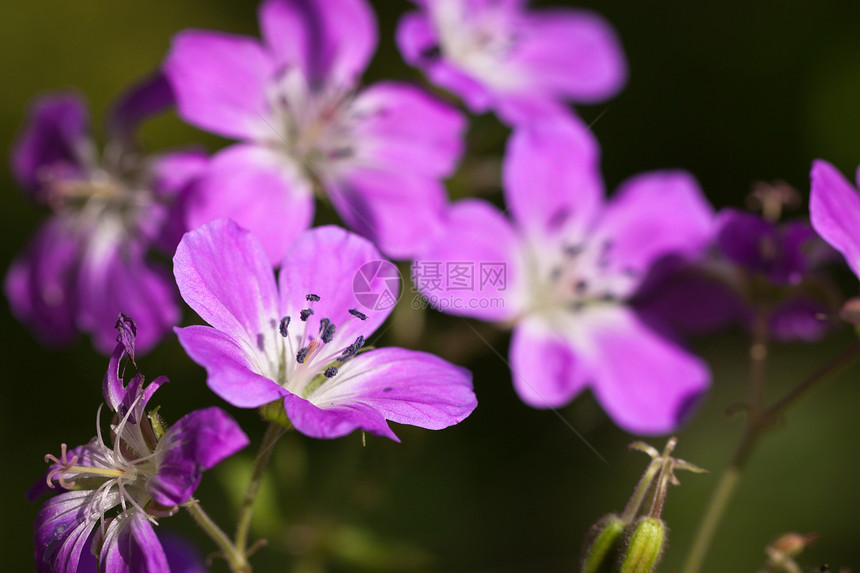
{"type": "Point", "coordinates": [235, 559]}
{"type": "Point", "coordinates": [246, 511]}
{"type": "Point", "coordinates": [713, 515]}
{"type": "Point", "coordinates": [759, 420]}
{"type": "Point", "coordinates": [635, 501]}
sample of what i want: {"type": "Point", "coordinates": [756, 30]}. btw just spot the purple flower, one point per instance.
{"type": "Point", "coordinates": [89, 261]}
{"type": "Point", "coordinates": [292, 100]}
{"type": "Point", "coordinates": [123, 487]}
{"type": "Point", "coordinates": [834, 209]}
{"type": "Point", "coordinates": [302, 342]}
{"type": "Point", "coordinates": [522, 64]}
{"type": "Point", "coordinates": [571, 262]}
{"type": "Point", "coordinates": [777, 270]}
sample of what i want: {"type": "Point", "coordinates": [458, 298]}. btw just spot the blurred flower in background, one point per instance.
{"type": "Point", "coordinates": [90, 260]}
{"type": "Point", "coordinates": [294, 100]}
{"type": "Point", "coordinates": [573, 261]}
{"type": "Point", "coordinates": [522, 64]}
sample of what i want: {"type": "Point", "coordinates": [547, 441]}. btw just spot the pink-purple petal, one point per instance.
{"type": "Point", "coordinates": [551, 174]}
{"type": "Point", "coordinates": [570, 53]}
{"type": "Point", "coordinates": [233, 372]}
{"type": "Point", "coordinates": [331, 42]}
{"type": "Point", "coordinates": [834, 209]}
{"type": "Point", "coordinates": [50, 143]}
{"type": "Point", "coordinates": [402, 386]}
{"type": "Point", "coordinates": [131, 546]}
{"type": "Point", "coordinates": [546, 371]}
{"type": "Point", "coordinates": [182, 555]}
{"type": "Point", "coordinates": [60, 523]}
{"type": "Point", "coordinates": [219, 81]}
{"type": "Point", "coordinates": [404, 128]}
{"type": "Point", "coordinates": [117, 280]}
{"type": "Point", "coordinates": [399, 211]}
{"type": "Point", "coordinates": [148, 97]}
{"type": "Point", "coordinates": [197, 442]}
{"type": "Point", "coordinates": [224, 275]}
{"type": "Point", "coordinates": [645, 382]}
{"type": "Point", "coordinates": [653, 215]}
{"type": "Point", "coordinates": [417, 40]}
{"type": "Point", "coordinates": [336, 421]}
{"type": "Point", "coordinates": [800, 319]}
{"type": "Point", "coordinates": [257, 188]}
{"type": "Point", "coordinates": [478, 238]}
{"type": "Point", "coordinates": [325, 261]}
{"type": "Point", "coordinates": [41, 284]}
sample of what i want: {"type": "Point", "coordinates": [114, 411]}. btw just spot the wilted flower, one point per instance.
{"type": "Point", "coordinates": [121, 486]}
{"type": "Point", "coordinates": [292, 99]}
{"type": "Point", "coordinates": [572, 262]}
{"type": "Point", "coordinates": [522, 64]}
{"type": "Point", "coordinates": [89, 261]}
{"type": "Point", "coordinates": [302, 342]}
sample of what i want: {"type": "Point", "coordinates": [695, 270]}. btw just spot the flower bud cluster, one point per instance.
{"type": "Point", "coordinates": [633, 541]}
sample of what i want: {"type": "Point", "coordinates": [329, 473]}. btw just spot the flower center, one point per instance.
{"type": "Point", "coordinates": [476, 37]}
{"type": "Point", "coordinates": [108, 197]}
{"type": "Point", "coordinates": [307, 359]}
{"type": "Point", "coordinates": [314, 124]}
{"type": "Point", "coordinates": [109, 471]}
{"type": "Point", "coordinates": [577, 276]}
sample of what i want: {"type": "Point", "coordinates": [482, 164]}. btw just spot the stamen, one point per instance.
{"type": "Point", "coordinates": [357, 313]}
{"type": "Point", "coordinates": [312, 297]}
{"type": "Point", "coordinates": [305, 314]}
{"type": "Point", "coordinates": [352, 349]}
{"type": "Point", "coordinates": [285, 323]}
{"type": "Point", "coordinates": [330, 372]}
{"type": "Point", "coordinates": [328, 332]}
{"type": "Point", "coordinates": [580, 286]}
{"type": "Point", "coordinates": [323, 323]}
{"type": "Point", "coordinates": [302, 354]}
{"type": "Point", "coordinates": [70, 466]}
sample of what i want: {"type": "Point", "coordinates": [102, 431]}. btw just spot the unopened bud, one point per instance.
{"type": "Point", "coordinates": [645, 546]}
{"type": "Point", "coordinates": [602, 542]}
{"type": "Point", "coordinates": [274, 412]}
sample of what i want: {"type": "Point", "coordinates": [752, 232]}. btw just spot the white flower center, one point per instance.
{"type": "Point", "coordinates": [299, 359]}
{"type": "Point", "coordinates": [110, 201]}
{"type": "Point", "coordinates": [313, 125]}
{"type": "Point", "coordinates": [476, 38]}
{"type": "Point", "coordinates": [574, 276]}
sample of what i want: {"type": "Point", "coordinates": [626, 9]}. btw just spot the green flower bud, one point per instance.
{"type": "Point", "coordinates": [602, 542]}
{"type": "Point", "coordinates": [645, 546]}
{"type": "Point", "coordinates": [274, 412]}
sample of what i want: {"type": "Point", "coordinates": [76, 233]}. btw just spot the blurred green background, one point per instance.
{"type": "Point", "coordinates": [733, 91]}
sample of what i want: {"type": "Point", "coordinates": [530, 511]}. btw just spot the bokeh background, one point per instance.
{"type": "Point", "coordinates": [734, 91]}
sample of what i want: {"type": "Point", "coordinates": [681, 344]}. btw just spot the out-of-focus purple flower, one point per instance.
{"type": "Point", "coordinates": [89, 261]}
{"type": "Point", "coordinates": [780, 274]}
{"type": "Point", "coordinates": [522, 64]}
{"type": "Point", "coordinates": [121, 488]}
{"type": "Point", "coordinates": [302, 342]}
{"type": "Point", "coordinates": [293, 101]}
{"type": "Point", "coordinates": [570, 262]}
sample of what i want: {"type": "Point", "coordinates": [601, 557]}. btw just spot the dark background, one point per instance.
{"type": "Point", "coordinates": [733, 91]}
